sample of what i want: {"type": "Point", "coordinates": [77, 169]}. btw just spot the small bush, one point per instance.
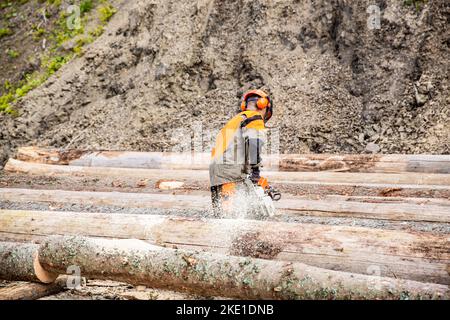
{"type": "Point", "coordinates": [5, 102]}
{"type": "Point", "coordinates": [416, 3]}
{"type": "Point", "coordinates": [54, 64]}
{"type": "Point", "coordinates": [106, 12]}
{"type": "Point", "coordinates": [53, 2]}
{"type": "Point", "coordinates": [7, 85]}
{"type": "Point", "coordinates": [12, 53]}
{"type": "Point", "coordinates": [32, 81]}
{"type": "Point", "coordinates": [86, 6]}
{"type": "Point", "coordinates": [38, 32]}
{"type": "Point", "coordinates": [5, 5]}
{"type": "Point", "coordinates": [97, 32]}
{"type": "Point", "coordinates": [4, 32]}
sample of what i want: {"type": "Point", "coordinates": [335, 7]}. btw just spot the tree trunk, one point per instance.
{"type": "Point", "coordinates": [208, 274]}
{"type": "Point", "coordinates": [32, 291]}
{"type": "Point", "coordinates": [284, 162]}
{"type": "Point", "coordinates": [409, 255]}
{"type": "Point", "coordinates": [21, 263]}
{"type": "Point", "coordinates": [434, 181]}
{"type": "Point", "coordinates": [436, 210]}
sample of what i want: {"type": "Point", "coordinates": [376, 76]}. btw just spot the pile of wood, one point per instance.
{"type": "Point", "coordinates": [281, 258]}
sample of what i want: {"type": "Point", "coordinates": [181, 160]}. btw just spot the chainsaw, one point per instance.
{"type": "Point", "coordinates": [264, 195]}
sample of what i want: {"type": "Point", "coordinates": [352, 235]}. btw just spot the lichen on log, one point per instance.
{"type": "Point", "coordinates": [208, 274]}
{"type": "Point", "coordinates": [20, 262]}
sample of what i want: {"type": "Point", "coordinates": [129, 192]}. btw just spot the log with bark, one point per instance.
{"type": "Point", "coordinates": [31, 290]}
{"type": "Point", "coordinates": [431, 210]}
{"type": "Point", "coordinates": [284, 162]}
{"type": "Point", "coordinates": [208, 274]}
{"type": "Point", "coordinates": [22, 263]}
{"type": "Point", "coordinates": [401, 254]}
{"type": "Point", "coordinates": [408, 180]}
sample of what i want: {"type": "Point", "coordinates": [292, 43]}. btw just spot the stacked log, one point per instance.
{"type": "Point", "coordinates": [428, 210]}
{"type": "Point", "coordinates": [284, 162]}
{"type": "Point", "coordinates": [210, 274]}
{"type": "Point", "coordinates": [342, 178]}
{"type": "Point", "coordinates": [236, 258]}
{"type": "Point", "coordinates": [401, 254]}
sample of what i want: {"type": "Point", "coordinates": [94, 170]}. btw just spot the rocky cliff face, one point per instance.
{"type": "Point", "coordinates": [338, 85]}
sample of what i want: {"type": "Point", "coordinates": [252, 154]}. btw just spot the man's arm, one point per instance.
{"type": "Point", "coordinates": [253, 133]}
{"type": "Point", "coordinates": [255, 160]}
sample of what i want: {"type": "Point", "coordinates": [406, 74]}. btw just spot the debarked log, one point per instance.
{"type": "Point", "coordinates": [331, 178]}
{"type": "Point", "coordinates": [395, 163]}
{"type": "Point", "coordinates": [428, 210]}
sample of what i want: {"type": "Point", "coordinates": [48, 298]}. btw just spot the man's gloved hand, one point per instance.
{"type": "Point", "coordinates": [263, 183]}
{"type": "Point", "coordinates": [271, 191]}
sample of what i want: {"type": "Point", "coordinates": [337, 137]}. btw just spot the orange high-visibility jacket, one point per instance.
{"type": "Point", "coordinates": [237, 151]}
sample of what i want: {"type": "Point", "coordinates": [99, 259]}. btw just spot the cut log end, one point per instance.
{"type": "Point", "coordinates": [43, 275]}
{"type": "Point", "coordinates": [169, 184]}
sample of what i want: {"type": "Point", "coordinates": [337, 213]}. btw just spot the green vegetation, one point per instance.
{"type": "Point", "coordinates": [86, 6]}
{"type": "Point", "coordinates": [4, 32]}
{"type": "Point", "coordinates": [418, 4]}
{"type": "Point", "coordinates": [78, 49]}
{"type": "Point", "coordinates": [12, 53]}
{"type": "Point", "coordinates": [97, 32]}
{"type": "Point", "coordinates": [5, 101]}
{"type": "Point", "coordinates": [106, 11]}
{"type": "Point", "coordinates": [38, 32]}
{"type": "Point", "coordinates": [5, 5]}
{"type": "Point", "coordinates": [52, 2]}
{"type": "Point", "coordinates": [56, 57]}
{"type": "Point", "coordinates": [54, 64]}
{"type": "Point", "coordinates": [7, 85]}
{"type": "Point", "coordinates": [31, 81]}
{"type": "Point", "coordinates": [63, 32]}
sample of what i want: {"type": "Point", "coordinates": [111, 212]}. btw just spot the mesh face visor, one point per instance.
{"type": "Point", "coordinates": [269, 109]}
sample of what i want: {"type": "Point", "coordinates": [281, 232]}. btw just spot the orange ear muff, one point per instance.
{"type": "Point", "coordinates": [262, 103]}
{"type": "Point", "coordinates": [243, 106]}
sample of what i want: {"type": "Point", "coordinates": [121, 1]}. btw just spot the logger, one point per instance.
{"type": "Point", "coordinates": [236, 185]}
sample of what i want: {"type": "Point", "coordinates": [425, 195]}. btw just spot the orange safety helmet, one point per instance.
{"type": "Point", "coordinates": [263, 102]}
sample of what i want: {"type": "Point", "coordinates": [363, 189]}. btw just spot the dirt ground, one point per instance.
{"type": "Point", "coordinates": [338, 86]}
